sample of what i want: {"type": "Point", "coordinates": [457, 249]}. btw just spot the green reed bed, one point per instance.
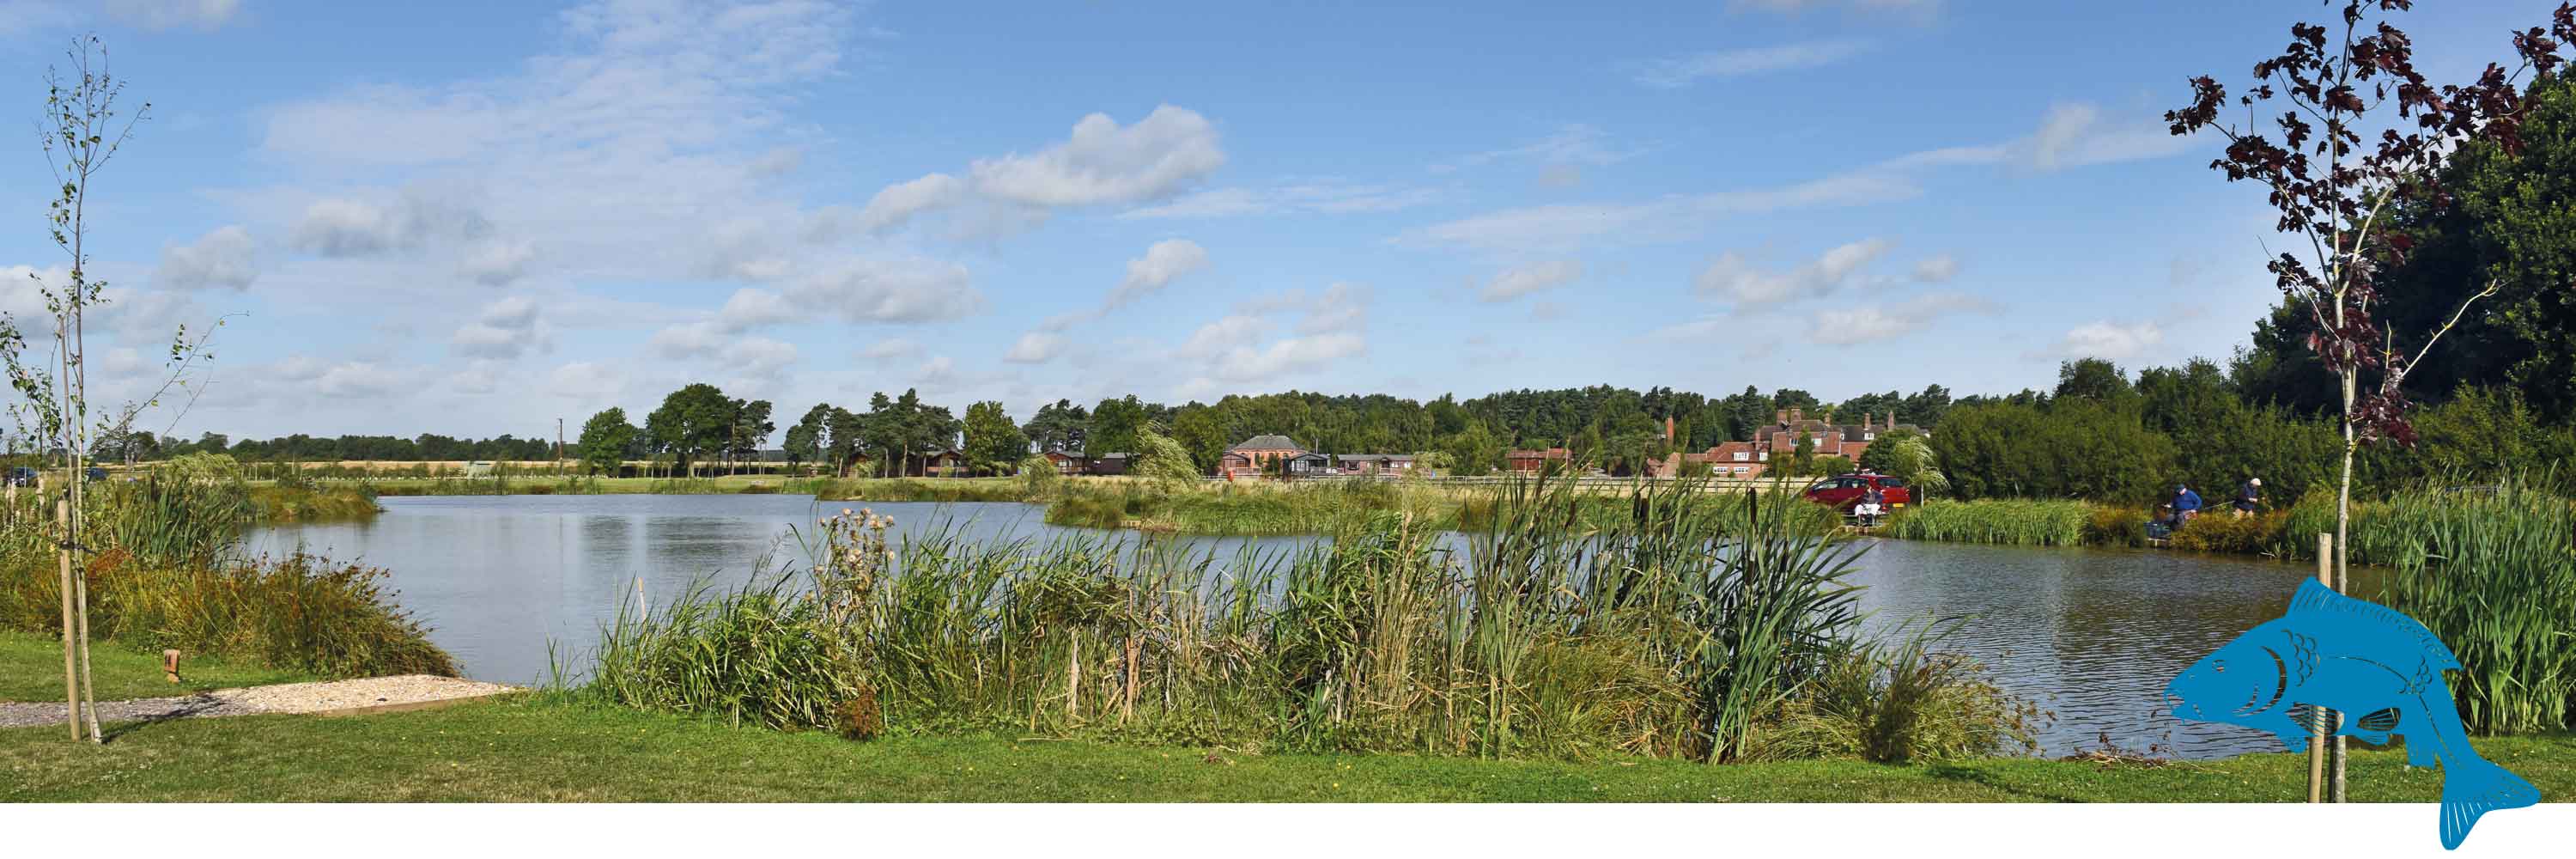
{"type": "Point", "coordinates": [1680, 627]}
{"type": "Point", "coordinates": [2493, 575]}
{"type": "Point", "coordinates": [942, 490]}
{"type": "Point", "coordinates": [163, 567]}
{"type": "Point", "coordinates": [2006, 522]}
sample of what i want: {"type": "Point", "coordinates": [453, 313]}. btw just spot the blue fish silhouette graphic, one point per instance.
{"type": "Point", "coordinates": [2334, 652]}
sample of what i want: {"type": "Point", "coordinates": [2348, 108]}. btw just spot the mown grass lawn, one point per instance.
{"type": "Point", "coordinates": [31, 669]}
{"type": "Point", "coordinates": [525, 749]}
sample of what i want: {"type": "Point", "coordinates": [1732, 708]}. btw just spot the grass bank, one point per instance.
{"type": "Point", "coordinates": [521, 749]}
{"type": "Point", "coordinates": [31, 669]}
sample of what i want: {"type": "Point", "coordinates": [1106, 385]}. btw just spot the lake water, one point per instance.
{"type": "Point", "coordinates": [2092, 635]}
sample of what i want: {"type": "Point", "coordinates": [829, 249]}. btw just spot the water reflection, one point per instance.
{"type": "Point", "coordinates": [2091, 635]}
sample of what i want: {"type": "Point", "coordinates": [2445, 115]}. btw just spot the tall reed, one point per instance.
{"type": "Point", "coordinates": [2493, 575]}
{"type": "Point", "coordinates": [1556, 630]}
{"type": "Point", "coordinates": [2007, 522]}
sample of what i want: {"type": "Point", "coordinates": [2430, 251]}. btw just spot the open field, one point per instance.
{"type": "Point", "coordinates": [31, 669]}
{"type": "Point", "coordinates": [523, 749]}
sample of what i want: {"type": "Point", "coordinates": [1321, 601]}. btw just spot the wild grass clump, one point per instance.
{"type": "Point", "coordinates": [2006, 522]}
{"type": "Point", "coordinates": [2112, 525]}
{"type": "Point", "coordinates": [1900, 703]}
{"type": "Point", "coordinates": [2222, 531]}
{"type": "Point", "coordinates": [1674, 629]}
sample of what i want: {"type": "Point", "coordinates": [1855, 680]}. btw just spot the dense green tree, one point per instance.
{"type": "Point", "coordinates": [1058, 427]}
{"type": "Point", "coordinates": [605, 440]}
{"type": "Point", "coordinates": [805, 440]}
{"type": "Point", "coordinates": [1113, 427]}
{"type": "Point", "coordinates": [2096, 380]}
{"type": "Point", "coordinates": [993, 444]}
{"type": "Point", "coordinates": [693, 422]}
{"type": "Point", "coordinates": [847, 439]}
{"type": "Point", "coordinates": [1201, 431]}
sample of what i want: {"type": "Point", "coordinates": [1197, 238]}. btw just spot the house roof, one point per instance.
{"type": "Point", "coordinates": [1114, 456]}
{"type": "Point", "coordinates": [1550, 453]}
{"type": "Point", "coordinates": [1376, 457]}
{"type": "Point", "coordinates": [1268, 442]}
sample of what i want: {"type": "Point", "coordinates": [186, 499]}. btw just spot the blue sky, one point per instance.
{"type": "Point", "coordinates": [478, 219]}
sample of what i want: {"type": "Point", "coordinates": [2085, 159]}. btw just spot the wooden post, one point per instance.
{"type": "Point", "coordinates": [71, 671]}
{"type": "Point", "coordinates": [1073, 679]}
{"type": "Point", "coordinates": [2338, 569]}
{"type": "Point", "coordinates": [2317, 735]}
{"type": "Point", "coordinates": [1127, 707]}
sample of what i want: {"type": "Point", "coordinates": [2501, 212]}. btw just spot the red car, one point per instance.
{"type": "Point", "coordinates": [1842, 492]}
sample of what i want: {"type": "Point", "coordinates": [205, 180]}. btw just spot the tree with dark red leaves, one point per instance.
{"type": "Point", "coordinates": [2358, 131]}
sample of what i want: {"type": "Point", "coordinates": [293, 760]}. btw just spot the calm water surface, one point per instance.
{"type": "Point", "coordinates": [2091, 635]}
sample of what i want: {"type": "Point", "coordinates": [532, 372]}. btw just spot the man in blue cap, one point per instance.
{"type": "Point", "coordinates": [2186, 504]}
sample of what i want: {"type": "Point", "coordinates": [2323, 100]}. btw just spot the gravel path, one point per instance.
{"type": "Point", "coordinates": [323, 697]}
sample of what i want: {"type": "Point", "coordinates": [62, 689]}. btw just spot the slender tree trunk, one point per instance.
{"type": "Point", "coordinates": [71, 667]}
{"type": "Point", "coordinates": [2343, 556]}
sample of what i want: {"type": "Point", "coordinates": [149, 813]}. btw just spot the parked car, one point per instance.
{"type": "Point", "coordinates": [1842, 492]}
{"type": "Point", "coordinates": [22, 476]}
{"type": "Point", "coordinates": [94, 474]}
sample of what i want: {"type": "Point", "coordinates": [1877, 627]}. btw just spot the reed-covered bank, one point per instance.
{"type": "Point", "coordinates": [164, 568]}
{"type": "Point", "coordinates": [1694, 625]}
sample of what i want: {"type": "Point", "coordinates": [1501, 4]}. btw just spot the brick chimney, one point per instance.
{"type": "Point", "coordinates": [1668, 427]}
{"type": "Point", "coordinates": [1798, 414]}
{"type": "Point", "coordinates": [1780, 417]}
{"type": "Point", "coordinates": [1864, 422]}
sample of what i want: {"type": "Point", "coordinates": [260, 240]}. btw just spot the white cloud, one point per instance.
{"type": "Point", "coordinates": [2070, 136]}
{"type": "Point", "coordinates": [1675, 72]}
{"type": "Point", "coordinates": [1568, 225]}
{"type": "Point", "coordinates": [898, 203]}
{"type": "Point", "coordinates": [890, 349]}
{"type": "Point", "coordinates": [1165, 261]}
{"type": "Point", "coordinates": [505, 329]}
{"type": "Point", "coordinates": [2107, 340]}
{"type": "Point", "coordinates": [1535, 277]}
{"type": "Point", "coordinates": [1568, 146]}
{"type": "Point", "coordinates": [222, 259]}
{"type": "Point", "coordinates": [1294, 354]}
{"type": "Point", "coordinates": [2074, 135]}
{"type": "Point", "coordinates": [1731, 278]}
{"type": "Point", "coordinates": [1216, 337]}
{"type": "Point", "coordinates": [1866, 323]}
{"type": "Point", "coordinates": [752, 308]}
{"type": "Point", "coordinates": [1320, 197]}
{"type": "Point", "coordinates": [1036, 347]}
{"type": "Point", "coordinates": [1937, 269]}
{"type": "Point", "coordinates": [167, 14]}
{"type": "Point", "coordinates": [589, 380]}
{"type": "Point", "coordinates": [1921, 10]}
{"type": "Point", "coordinates": [343, 227]}
{"type": "Point", "coordinates": [889, 291]}
{"type": "Point", "coordinates": [496, 262]}
{"type": "Point", "coordinates": [704, 343]}
{"type": "Point", "coordinates": [1343, 307]}
{"type": "Point", "coordinates": [1162, 154]}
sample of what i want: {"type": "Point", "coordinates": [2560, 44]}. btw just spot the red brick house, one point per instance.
{"type": "Point", "coordinates": [1252, 457]}
{"type": "Point", "coordinates": [1531, 461]}
{"type": "Point", "coordinates": [1065, 463]}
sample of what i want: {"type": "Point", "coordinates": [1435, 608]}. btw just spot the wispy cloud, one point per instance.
{"type": "Point", "coordinates": [1682, 71]}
